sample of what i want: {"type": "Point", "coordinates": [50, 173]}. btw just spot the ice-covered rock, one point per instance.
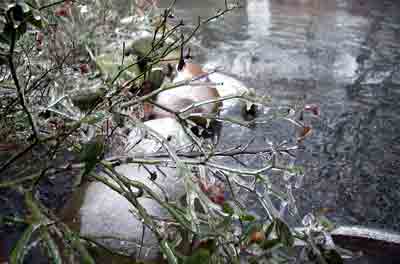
{"type": "Point", "coordinates": [230, 86]}
{"type": "Point", "coordinates": [145, 139]}
{"type": "Point", "coordinates": [106, 216]}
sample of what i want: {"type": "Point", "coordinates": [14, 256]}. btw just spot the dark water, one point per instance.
{"type": "Point", "coordinates": [342, 55]}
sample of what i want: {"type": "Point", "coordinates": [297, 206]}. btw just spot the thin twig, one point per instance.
{"type": "Point", "coordinates": [17, 85]}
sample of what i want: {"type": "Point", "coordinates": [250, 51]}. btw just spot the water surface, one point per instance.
{"type": "Point", "coordinates": [342, 55]}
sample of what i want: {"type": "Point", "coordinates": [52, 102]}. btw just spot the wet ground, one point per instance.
{"type": "Point", "coordinates": [342, 55]}
{"type": "Point", "coordinates": [52, 190]}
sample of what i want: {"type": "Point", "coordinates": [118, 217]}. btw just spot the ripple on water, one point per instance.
{"type": "Point", "coordinates": [342, 55]}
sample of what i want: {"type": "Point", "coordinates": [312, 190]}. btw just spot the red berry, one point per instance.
{"type": "Point", "coordinates": [39, 40]}
{"type": "Point", "coordinates": [204, 187]}
{"type": "Point", "coordinates": [39, 36]}
{"type": "Point", "coordinates": [313, 108]}
{"type": "Point", "coordinates": [218, 199]}
{"type": "Point", "coordinates": [61, 12]}
{"type": "Point", "coordinates": [257, 237]}
{"type": "Point", "coordinates": [64, 10]}
{"type": "Point", "coordinates": [84, 68]}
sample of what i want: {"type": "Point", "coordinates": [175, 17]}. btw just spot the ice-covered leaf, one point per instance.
{"type": "Point", "coordinates": [283, 232]}
{"type": "Point", "coordinates": [91, 153]}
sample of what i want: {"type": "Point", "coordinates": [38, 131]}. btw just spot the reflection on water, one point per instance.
{"type": "Point", "coordinates": [343, 55]}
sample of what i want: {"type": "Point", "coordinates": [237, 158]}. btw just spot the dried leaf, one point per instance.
{"type": "Point", "coordinates": [305, 132]}
{"type": "Point", "coordinates": [257, 237]}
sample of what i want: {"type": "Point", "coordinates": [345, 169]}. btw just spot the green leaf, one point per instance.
{"type": "Point", "coordinates": [5, 38]}
{"type": "Point", "coordinates": [91, 153]}
{"type": "Point", "coordinates": [247, 218]}
{"type": "Point", "coordinates": [87, 98]}
{"type": "Point", "coordinates": [109, 65]}
{"type": "Point", "coordinates": [333, 257]}
{"type": "Point", "coordinates": [6, 35]}
{"type": "Point", "coordinates": [52, 248]}
{"type": "Point", "coordinates": [143, 46]}
{"type": "Point", "coordinates": [283, 232]}
{"type": "Point", "coordinates": [200, 256]}
{"type": "Point", "coordinates": [296, 169]}
{"type": "Point", "coordinates": [19, 251]}
{"type": "Point", "coordinates": [325, 222]}
{"type": "Point", "coordinates": [253, 260]}
{"type": "Point", "coordinates": [268, 244]}
{"type": "Point", "coordinates": [34, 19]}
{"type": "Point", "coordinates": [269, 230]}
{"type": "Point", "coordinates": [94, 118]}
{"type": "Point", "coordinates": [83, 252]}
{"type": "Point", "coordinates": [225, 223]}
{"type": "Point", "coordinates": [226, 208]}
{"type": "Point", "coordinates": [166, 249]}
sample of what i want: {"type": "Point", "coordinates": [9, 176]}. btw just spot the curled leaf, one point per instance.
{"type": "Point", "coordinates": [305, 132]}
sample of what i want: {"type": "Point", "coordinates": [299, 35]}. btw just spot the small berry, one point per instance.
{"type": "Point", "coordinates": [313, 108]}
{"type": "Point", "coordinates": [84, 68]}
{"type": "Point", "coordinates": [257, 237]}
{"type": "Point", "coordinates": [39, 40]}
{"type": "Point", "coordinates": [218, 199]}
{"type": "Point", "coordinates": [64, 10]}
{"type": "Point", "coordinates": [204, 187]}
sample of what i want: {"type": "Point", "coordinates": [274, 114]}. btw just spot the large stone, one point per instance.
{"type": "Point", "coordinates": [228, 86]}
{"type": "Point", "coordinates": [168, 128]}
{"type": "Point", "coordinates": [105, 215]}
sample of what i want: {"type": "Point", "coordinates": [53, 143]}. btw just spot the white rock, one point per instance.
{"type": "Point", "coordinates": [127, 20]}
{"type": "Point", "coordinates": [106, 216]}
{"type": "Point", "coordinates": [228, 86]}
{"type": "Point", "coordinates": [168, 128]}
